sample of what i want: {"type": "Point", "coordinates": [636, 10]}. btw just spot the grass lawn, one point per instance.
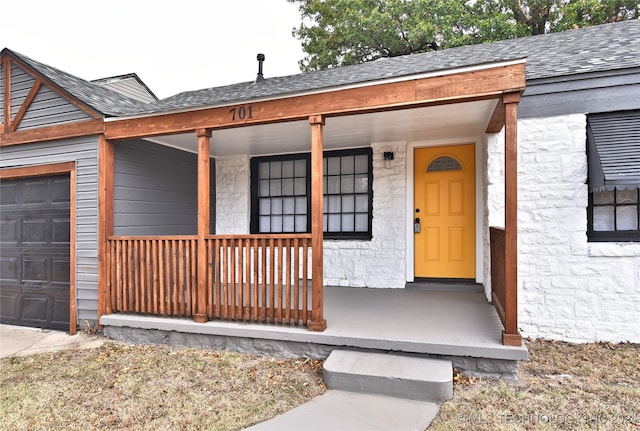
{"type": "Point", "coordinates": [563, 387]}
{"type": "Point", "coordinates": [139, 387]}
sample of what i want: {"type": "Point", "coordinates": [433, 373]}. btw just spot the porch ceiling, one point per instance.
{"type": "Point", "coordinates": [442, 122]}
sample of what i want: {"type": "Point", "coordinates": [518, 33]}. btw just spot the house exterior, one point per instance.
{"type": "Point", "coordinates": [202, 205]}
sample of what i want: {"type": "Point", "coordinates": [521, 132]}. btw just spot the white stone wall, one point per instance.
{"type": "Point", "coordinates": [569, 289]}
{"type": "Point", "coordinates": [233, 195]}
{"type": "Point", "coordinates": [379, 262]}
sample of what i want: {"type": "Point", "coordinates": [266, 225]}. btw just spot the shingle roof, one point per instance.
{"type": "Point", "coordinates": [600, 48]}
{"type": "Point", "coordinates": [593, 49]}
{"type": "Point", "coordinates": [103, 100]}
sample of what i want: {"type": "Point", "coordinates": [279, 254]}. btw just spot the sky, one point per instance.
{"type": "Point", "coordinates": [172, 45]}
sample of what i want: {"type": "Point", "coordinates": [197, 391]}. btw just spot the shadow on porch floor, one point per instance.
{"type": "Point", "coordinates": [461, 326]}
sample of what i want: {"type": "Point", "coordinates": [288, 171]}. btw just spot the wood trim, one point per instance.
{"type": "Point", "coordinates": [56, 88]}
{"type": "Point", "coordinates": [55, 169]}
{"type": "Point", "coordinates": [73, 296]}
{"type": "Point", "coordinates": [37, 171]}
{"type": "Point", "coordinates": [511, 333]}
{"type": "Point", "coordinates": [317, 323]}
{"type": "Point", "coordinates": [106, 173]}
{"type": "Point", "coordinates": [51, 133]}
{"type": "Point", "coordinates": [7, 94]}
{"type": "Point", "coordinates": [25, 106]}
{"type": "Point", "coordinates": [466, 86]}
{"type": "Point", "coordinates": [204, 220]}
{"type": "Point", "coordinates": [496, 123]}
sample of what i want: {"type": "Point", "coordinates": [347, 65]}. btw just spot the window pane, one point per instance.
{"type": "Point", "coordinates": [300, 186]}
{"type": "Point", "coordinates": [301, 206]}
{"type": "Point", "coordinates": [362, 184]}
{"type": "Point", "coordinates": [334, 223]}
{"type": "Point", "coordinates": [602, 198]}
{"type": "Point", "coordinates": [348, 204]}
{"type": "Point", "coordinates": [263, 188]}
{"type": "Point", "coordinates": [276, 224]}
{"type": "Point", "coordinates": [265, 206]}
{"type": "Point", "coordinates": [333, 165]}
{"type": "Point", "coordinates": [334, 204]}
{"type": "Point", "coordinates": [333, 185]}
{"type": "Point", "coordinates": [301, 223]}
{"type": "Point", "coordinates": [301, 168]}
{"type": "Point", "coordinates": [361, 164]}
{"type": "Point", "coordinates": [265, 224]}
{"type": "Point", "coordinates": [288, 206]}
{"type": "Point", "coordinates": [347, 165]}
{"type": "Point", "coordinates": [347, 223]}
{"type": "Point", "coordinates": [324, 222]}
{"type": "Point", "coordinates": [627, 196]}
{"type": "Point", "coordinates": [362, 203]}
{"type": "Point", "coordinates": [276, 170]}
{"type": "Point", "coordinates": [362, 222]}
{"type": "Point", "coordinates": [263, 170]}
{"type": "Point", "coordinates": [287, 169]}
{"type": "Point", "coordinates": [627, 217]}
{"type": "Point", "coordinates": [288, 223]}
{"type": "Point", "coordinates": [275, 188]}
{"type": "Point", "coordinates": [287, 187]}
{"type": "Point", "coordinates": [276, 206]}
{"type": "Point", "coordinates": [346, 185]}
{"type": "Point", "coordinates": [603, 218]}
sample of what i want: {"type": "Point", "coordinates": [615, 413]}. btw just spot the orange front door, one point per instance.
{"type": "Point", "coordinates": [444, 204]}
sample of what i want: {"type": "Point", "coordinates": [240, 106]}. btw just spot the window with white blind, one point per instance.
{"type": "Point", "coordinates": [281, 194]}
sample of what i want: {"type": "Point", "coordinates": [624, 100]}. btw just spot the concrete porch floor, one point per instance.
{"type": "Point", "coordinates": [460, 326]}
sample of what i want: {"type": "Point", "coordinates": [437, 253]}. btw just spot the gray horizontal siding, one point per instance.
{"type": "Point", "coordinates": [156, 190]}
{"type": "Point", "coordinates": [48, 107]}
{"type": "Point", "coordinates": [84, 152]}
{"type": "Point", "coordinates": [592, 93]}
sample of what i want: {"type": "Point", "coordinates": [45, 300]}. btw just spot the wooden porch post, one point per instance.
{"type": "Point", "coordinates": [105, 222]}
{"type": "Point", "coordinates": [204, 221]}
{"type": "Point", "coordinates": [317, 323]}
{"type": "Point", "coordinates": [511, 336]}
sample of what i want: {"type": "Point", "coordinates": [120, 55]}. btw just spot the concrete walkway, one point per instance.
{"type": "Point", "coordinates": [350, 411]}
{"type": "Point", "coordinates": [23, 341]}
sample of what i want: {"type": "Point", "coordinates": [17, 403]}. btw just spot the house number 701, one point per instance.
{"type": "Point", "coordinates": [241, 113]}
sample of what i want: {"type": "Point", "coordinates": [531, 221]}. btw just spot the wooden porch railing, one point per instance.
{"type": "Point", "coordinates": [259, 278]}
{"type": "Point", "coordinates": [504, 297]}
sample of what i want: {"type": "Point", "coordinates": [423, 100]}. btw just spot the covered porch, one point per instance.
{"type": "Point", "coordinates": [459, 326]}
{"type": "Point", "coordinates": [252, 279]}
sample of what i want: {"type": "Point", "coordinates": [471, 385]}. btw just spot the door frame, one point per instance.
{"type": "Point", "coordinates": [479, 187]}
{"type": "Point", "coordinates": [48, 170]}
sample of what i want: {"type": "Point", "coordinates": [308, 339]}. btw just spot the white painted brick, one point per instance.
{"type": "Point", "coordinates": [570, 290]}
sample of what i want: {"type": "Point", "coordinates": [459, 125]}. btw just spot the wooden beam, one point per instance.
{"type": "Point", "coordinates": [51, 133]}
{"type": "Point", "coordinates": [7, 94]}
{"type": "Point", "coordinates": [73, 296]}
{"type": "Point", "coordinates": [458, 87]}
{"type": "Point", "coordinates": [511, 335]}
{"type": "Point", "coordinates": [204, 220]}
{"type": "Point", "coordinates": [37, 170]}
{"type": "Point", "coordinates": [25, 105]}
{"type": "Point", "coordinates": [317, 323]}
{"type": "Point", "coordinates": [496, 123]}
{"type": "Point", "coordinates": [106, 173]}
{"type": "Point", "coordinates": [56, 89]}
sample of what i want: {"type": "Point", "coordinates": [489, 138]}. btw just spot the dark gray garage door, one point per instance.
{"type": "Point", "coordinates": [34, 252]}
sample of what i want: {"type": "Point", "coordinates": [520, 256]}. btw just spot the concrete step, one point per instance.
{"type": "Point", "coordinates": [389, 374]}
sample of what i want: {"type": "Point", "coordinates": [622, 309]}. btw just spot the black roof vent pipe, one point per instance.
{"type": "Point", "coordinates": [260, 77]}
